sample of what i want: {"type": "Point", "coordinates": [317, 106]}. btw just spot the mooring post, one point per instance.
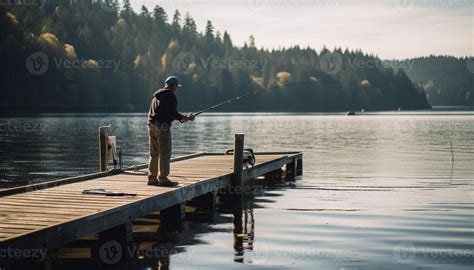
{"type": "Point", "coordinates": [114, 245]}
{"type": "Point", "coordinates": [237, 180]}
{"type": "Point", "coordinates": [238, 195]}
{"type": "Point", "coordinates": [299, 167]}
{"type": "Point", "coordinates": [172, 218]}
{"type": "Point", "coordinates": [103, 145]}
{"type": "Point", "coordinates": [231, 197]}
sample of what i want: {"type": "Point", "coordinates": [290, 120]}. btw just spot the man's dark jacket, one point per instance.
{"type": "Point", "coordinates": [163, 108]}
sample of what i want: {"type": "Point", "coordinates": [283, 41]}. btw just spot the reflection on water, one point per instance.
{"type": "Point", "coordinates": [243, 233]}
{"type": "Point", "coordinates": [153, 249]}
{"type": "Point", "coordinates": [379, 191]}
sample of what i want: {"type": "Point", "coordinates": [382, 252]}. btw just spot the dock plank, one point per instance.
{"type": "Point", "coordinates": [36, 215]}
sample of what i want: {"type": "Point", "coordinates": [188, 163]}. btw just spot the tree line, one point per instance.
{"type": "Point", "coordinates": [80, 55]}
{"type": "Point", "coordinates": [447, 80]}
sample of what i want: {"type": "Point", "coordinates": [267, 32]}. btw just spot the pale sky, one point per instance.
{"type": "Point", "coordinates": [391, 29]}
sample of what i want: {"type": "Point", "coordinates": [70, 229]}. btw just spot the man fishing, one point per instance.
{"type": "Point", "coordinates": [163, 111]}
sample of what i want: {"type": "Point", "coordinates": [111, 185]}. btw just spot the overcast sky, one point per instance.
{"type": "Point", "coordinates": [392, 29]}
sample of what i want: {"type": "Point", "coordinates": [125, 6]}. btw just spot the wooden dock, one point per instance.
{"type": "Point", "coordinates": [49, 215]}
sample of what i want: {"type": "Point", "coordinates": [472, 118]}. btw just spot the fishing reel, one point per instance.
{"type": "Point", "coordinates": [248, 156]}
{"type": "Point", "coordinates": [191, 116]}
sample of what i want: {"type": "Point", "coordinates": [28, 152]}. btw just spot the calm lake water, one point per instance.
{"type": "Point", "coordinates": [379, 191]}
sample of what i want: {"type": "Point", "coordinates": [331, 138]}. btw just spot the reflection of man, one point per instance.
{"type": "Point", "coordinates": [162, 113]}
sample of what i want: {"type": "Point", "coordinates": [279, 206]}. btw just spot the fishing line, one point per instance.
{"type": "Point", "coordinates": [192, 116]}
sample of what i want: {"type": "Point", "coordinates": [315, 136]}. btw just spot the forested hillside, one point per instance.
{"type": "Point", "coordinates": [89, 56]}
{"type": "Point", "coordinates": [447, 80]}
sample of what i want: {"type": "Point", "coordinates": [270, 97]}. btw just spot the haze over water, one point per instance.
{"type": "Point", "coordinates": [379, 191]}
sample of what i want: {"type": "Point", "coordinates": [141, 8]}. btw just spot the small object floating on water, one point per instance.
{"type": "Point", "coordinates": [350, 113]}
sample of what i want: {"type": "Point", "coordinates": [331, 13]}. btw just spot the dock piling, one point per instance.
{"type": "Point", "coordinates": [206, 206]}
{"type": "Point", "coordinates": [299, 167]}
{"type": "Point", "coordinates": [103, 145]}
{"type": "Point", "coordinates": [172, 218]}
{"type": "Point", "coordinates": [291, 171]}
{"type": "Point", "coordinates": [114, 244]}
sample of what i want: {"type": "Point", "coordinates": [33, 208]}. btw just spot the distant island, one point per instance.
{"type": "Point", "coordinates": [85, 56]}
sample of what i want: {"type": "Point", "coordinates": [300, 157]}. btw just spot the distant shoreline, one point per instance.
{"type": "Point", "coordinates": [434, 110]}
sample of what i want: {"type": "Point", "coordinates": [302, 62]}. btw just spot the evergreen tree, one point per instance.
{"type": "Point", "coordinates": [209, 34]}
{"type": "Point", "coordinates": [146, 48]}
{"type": "Point", "coordinates": [189, 24]}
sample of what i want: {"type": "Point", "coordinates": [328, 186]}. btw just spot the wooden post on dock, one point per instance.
{"type": "Point", "coordinates": [237, 180]}
{"type": "Point", "coordinates": [103, 145]}
{"type": "Point", "coordinates": [238, 195]}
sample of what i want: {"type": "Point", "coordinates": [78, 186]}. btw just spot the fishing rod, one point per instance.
{"type": "Point", "coordinates": [192, 116]}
